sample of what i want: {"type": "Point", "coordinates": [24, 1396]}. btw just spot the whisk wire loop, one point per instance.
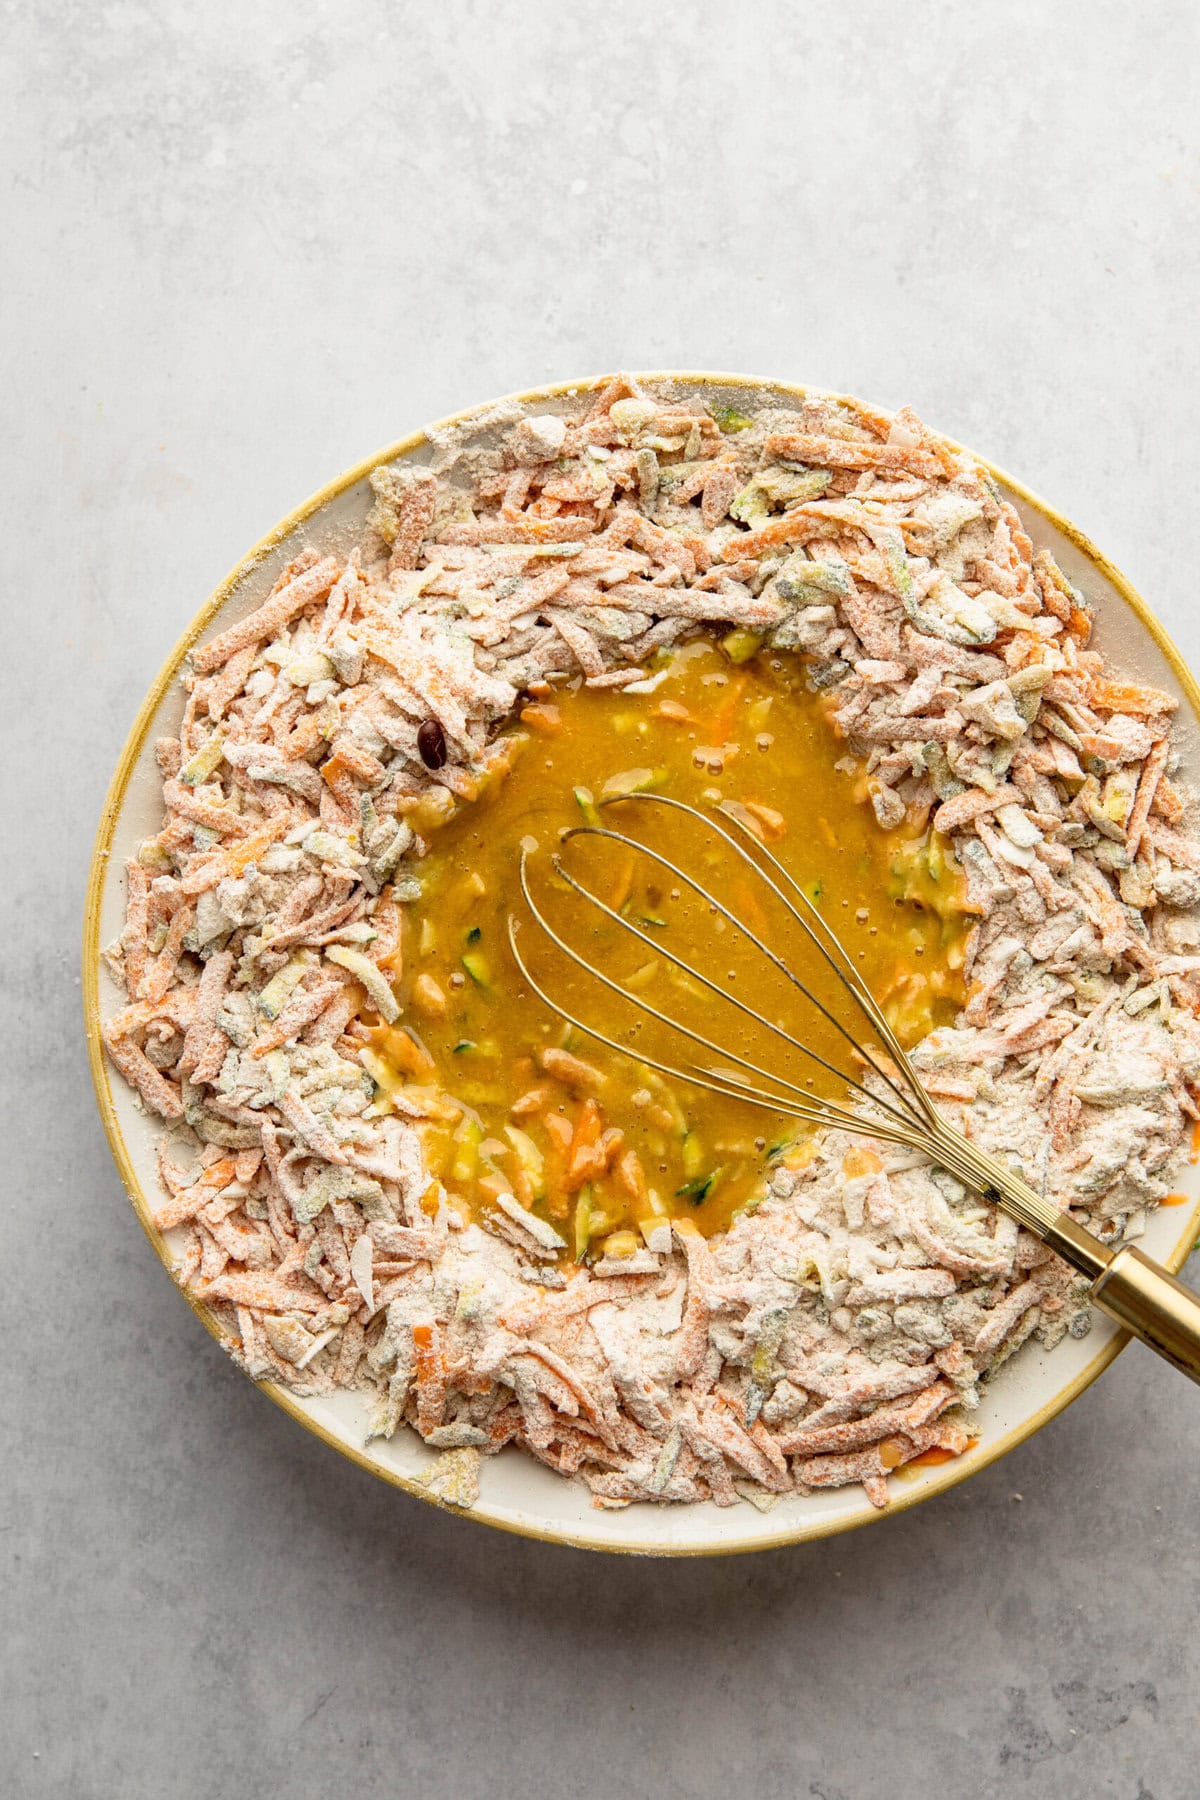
{"type": "Point", "coordinates": [698, 975]}
{"type": "Point", "coordinates": [797, 1102]}
{"type": "Point", "coordinates": [1131, 1288]}
{"type": "Point", "coordinates": [830, 946]}
{"type": "Point", "coordinates": [818, 1113]}
{"type": "Point", "coordinates": [914, 1123]}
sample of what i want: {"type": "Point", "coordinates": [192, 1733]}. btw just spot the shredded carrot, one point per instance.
{"type": "Point", "coordinates": [588, 1160]}
{"type": "Point", "coordinates": [1168, 802]}
{"type": "Point", "coordinates": [394, 960]}
{"type": "Point", "coordinates": [205, 872]}
{"type": "Point", "coordinates": [749, 906]}
{"type": "Point", "coordinates": [858, 1162]}
{"type": "Point", "coordinates": [721, 723]}
{"type": "Point", "coordinates": [774, 825]}
{"type": "Point", "coordinates": [351, 759]}
{"type": "Point", "coordinates": [623, 886]}
{"type": "Point", "coordinates": [561, 1134]}
{"type": "Point", "coordinates": [1126, 697]}
{"type": "Point", "coordinates": [794, 527]}
{"type": "Point", "coordinates": [610, 1145]}
{"type": "Point", "coordinates": [547, 721]}
{"type": "Point", "coordinates": [522, 1186]}
{"type": "Point", "coordinates": [632, 1176]}
{"type": "Point", "coordinates": [402, 1048]}
{"type": "Point", "coordinates": [431, 1377]}
{"type": "Point", "coordinates": [532, 1101]}
{"type": "Point", "coordinates": [572, 1071]}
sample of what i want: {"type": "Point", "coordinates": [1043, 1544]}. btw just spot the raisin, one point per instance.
{"type": "Point", "coordinates": [431, 742]}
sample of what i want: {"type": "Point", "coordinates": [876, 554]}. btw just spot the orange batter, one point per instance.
{"type": "Point", "coordinates": [593, 1141]}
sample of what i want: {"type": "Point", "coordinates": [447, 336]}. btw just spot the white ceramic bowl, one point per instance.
{"type": "Point", "coordinates": [517, 1493]}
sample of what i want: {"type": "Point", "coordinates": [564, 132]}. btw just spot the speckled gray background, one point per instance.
{"type": "Point", "coordinates": [245, 245]}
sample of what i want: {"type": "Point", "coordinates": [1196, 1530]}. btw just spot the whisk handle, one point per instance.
{"type": "Point", "coordinates": [1126, 1284]}
{"type": "Point", "coordinates": [1153, 1305]}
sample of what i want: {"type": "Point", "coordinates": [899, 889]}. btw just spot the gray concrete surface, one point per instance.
{"type": "Point", "coordinates": [245, 245]}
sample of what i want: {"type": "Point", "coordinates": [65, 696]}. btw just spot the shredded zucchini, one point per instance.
{"type": "Point", "coordinates": [538, 1229]}
{"type": "Point", "coordinates": [530, 1158]}
{"type": "Point", "coordinates": [206, 759]}
{"type": "Point", "coordinates": [739, 646]}
{"type": "Point", "coordinates": [698, 1189]}
{"type": "Point", "coordinates": [730, 419]}
{"type": "Point", "coordinates": [467, 1139]}
{"type": "Point", "coordinates": [632, 781]}
{"type": "Point", "coordinates": [582, 1222]}
{"type": "Point", "coordinates": [363, 969]}
{"type": "Point", "coordinates": [273, 997]}
{"type": "Point", "coordinates": [476, 966]}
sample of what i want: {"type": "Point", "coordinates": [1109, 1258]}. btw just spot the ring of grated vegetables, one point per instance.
{"type": "Point", "coordinates": [889, 561]}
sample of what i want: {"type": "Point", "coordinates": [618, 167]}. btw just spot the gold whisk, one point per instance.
{"type": "Point", "coordinates": [884, 1095]}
